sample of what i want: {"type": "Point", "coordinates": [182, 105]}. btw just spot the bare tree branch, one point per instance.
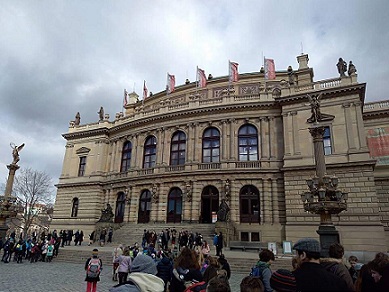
{"type": "Point", "coordinates": [32, 188]}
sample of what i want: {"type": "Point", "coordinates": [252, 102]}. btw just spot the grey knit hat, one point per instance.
{"type": "Point", "coordinates": [144, 264]}
{"type": "Point", "coordinates": [307, 245]}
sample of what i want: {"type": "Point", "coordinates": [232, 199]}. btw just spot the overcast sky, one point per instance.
{"type": "Point", "coordinates": [61, 57]}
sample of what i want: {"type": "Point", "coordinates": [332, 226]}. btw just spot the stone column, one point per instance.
{"type": "Point", "coordinates": [275, 206]}
{"type": "Point", "coordinates": [229, 138]}
{"type": "Point", "coordinates": [190, 143]}
{"type": "Point", "coordinates": [134, 160]}
{"type": "Point", "coordinates": [296, 140]}
{"type": "Point", "coordinates": [349, 127]}
{"type": "Point", "coordinates": [139, 151]}
{"type": "Point", "coordinates": [287, 141]}
{"type": "Point", "coordinates": [187, 201]}
{"type": "Point", "coordinates": [66, 169]}
{"type": "Point", "coordinates": [197, 143]}
{"type": "Point", "coordinates": [224, 140]}
{"type": "Point", "coordinates": [113, 147]}
{"type": "Point", "coordinates": [317, 135]}
{"type": "Point", "coordinates": [265, 138]}
{"type": "Point", "coordinates": [360, 126]}
{"type": "Point", "coordinates": [262, 200]}
{"type": "Point", "coordinates": [267, 201]}
{"type": "Point", "coordinates": [233, 141]}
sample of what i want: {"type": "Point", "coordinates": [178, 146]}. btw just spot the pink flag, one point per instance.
{"type": "Point", "coordinates": [202, 80]}
{"type": "Point", "coordinates": [233, 71]}
{"type": "Point", "coordinates": [270, 69]}
{"type": "Point", "coordinates": [125, 101]}
{"type": "Point", "coordinates": [171, 83]}
{"type": "Point", "coordinates": [144, 90]}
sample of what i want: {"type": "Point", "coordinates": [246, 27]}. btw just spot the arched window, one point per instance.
{"type": "Point", "coordinates": [126, 156]}
{"type": "Point", "coordinates": [249, 204]}
{"type": "Point", "coordinates": [248, 143]}
{"type": "Point", "coordinates": [150, 152]}
{"type": "Point", "coordinates": [211, 145]}
{"type": "Point", "coordinates": [75, 203]}
{"type": "Point", "coordinates": [178, 148]}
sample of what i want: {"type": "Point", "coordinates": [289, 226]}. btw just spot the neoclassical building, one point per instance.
{"type": "Point", "coordinates": [174, 158]}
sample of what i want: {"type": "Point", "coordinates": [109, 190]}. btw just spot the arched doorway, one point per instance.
{"type": "Point", "coordinates": [209, 203]}
{"type": "Point", "coordinates": [120, 207]}
{"type": "Point", "coordinates": [144, 207]}
{"type": "Point", "coordinates": [249, 204]}
{"type": "Point", "coordinates": [174, 208]}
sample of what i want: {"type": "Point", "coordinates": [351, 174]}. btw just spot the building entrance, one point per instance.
{"type": "Point", "coordinates": [209, 204]}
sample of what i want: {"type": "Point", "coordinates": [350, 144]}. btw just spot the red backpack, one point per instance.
{"type": "Point", "coordinates": [197, 287]}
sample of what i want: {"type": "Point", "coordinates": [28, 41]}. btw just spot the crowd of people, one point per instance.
{"type": "Point", "coordinates": [184, 262]}
{"type": "Point", "coordinates": [195, 268]}
{"type": "Point", "coordinates": [33, 248]}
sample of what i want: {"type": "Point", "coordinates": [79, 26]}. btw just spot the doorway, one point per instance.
{"type": "Point", "coordinates": [120, 207]}
{"type": "Point", "coordinates": [144, 207]}
{"type": "Point", "coordinates": [209, 204]}
{"type": "Point", "coordinates": [174, 210]}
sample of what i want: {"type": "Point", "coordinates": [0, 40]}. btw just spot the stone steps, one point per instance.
{"type": "Point", "coordinates": [130, 233]}
{"type": "Point", "coordinates": [238, 264]}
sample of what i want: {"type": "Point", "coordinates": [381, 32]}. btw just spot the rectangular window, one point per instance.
{"type": "Point", "coordinates": [81, 168]}
{"type": "Point", "coordinates": [244, 236]}
{"type": "Point", "coordinates": [327, 141]}
{"type": "Point", "coordinates": [254, 236]}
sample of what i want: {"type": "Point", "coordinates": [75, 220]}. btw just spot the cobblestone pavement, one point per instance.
{"type": "Point", "coordinates": [60, 276]}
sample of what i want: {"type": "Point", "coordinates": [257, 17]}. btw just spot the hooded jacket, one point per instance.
{"type": "Point", "coordinates": [141, 282]}
{"type": "Point", "coordinates": [336, 267]}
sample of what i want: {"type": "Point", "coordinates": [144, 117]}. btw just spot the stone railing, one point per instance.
{"type": "Point", "coordinates": [374, 106]}
{"type": "Point", "coordinates": [241, 93]}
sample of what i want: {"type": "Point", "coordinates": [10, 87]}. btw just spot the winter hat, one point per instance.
{"type": "Point", "coordinates": [307, 245]}
{"type": "Point", "coordinates": [144, 264]}
{"type": "Point", "coordinates": [283, 280]}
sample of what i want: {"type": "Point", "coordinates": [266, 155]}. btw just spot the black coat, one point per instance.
{"type": "Point", "coordinates": [178, 286]}
{"type": "Point", "coordinates": [314, 277]}
{"type": "Point", "coordinates": [165, 269]}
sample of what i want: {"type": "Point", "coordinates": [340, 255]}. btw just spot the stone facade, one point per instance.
{"type": "Point", "coordinates": [246, 142]}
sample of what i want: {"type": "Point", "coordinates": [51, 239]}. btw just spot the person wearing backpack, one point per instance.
{"type": "Point", "coordinates": [262, 268]}
{"type": "Point", "coordinates": [93, 268]}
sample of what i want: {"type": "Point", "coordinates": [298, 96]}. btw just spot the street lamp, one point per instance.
{"type": "Point", "coordinates": [324, 198]}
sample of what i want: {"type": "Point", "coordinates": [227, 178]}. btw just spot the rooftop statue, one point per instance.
{"type": "Point", "coordinates": [351, 69]}
{"type": "Point", "coordinates": [77, 120]}
{"type": "Point", "coordinates": [101, 113]}
{"type": "Point", "coordinates": [342, 67]}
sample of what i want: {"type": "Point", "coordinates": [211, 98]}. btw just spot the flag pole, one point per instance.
{"type": "Point", "coordinates": [167, 83]}
{"type": "Point", "coordinates": [229, 77]}
{"type": "Point", "coordinates": [264, 69]}
{"type": "Point", "coordinates": [197, 77]}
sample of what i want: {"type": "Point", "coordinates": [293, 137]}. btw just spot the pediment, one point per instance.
{"type": "Point", "coordinates": [83, 150]}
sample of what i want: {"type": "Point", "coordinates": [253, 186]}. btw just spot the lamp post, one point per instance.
{"type": "Point", "coordinates": [324, 197]}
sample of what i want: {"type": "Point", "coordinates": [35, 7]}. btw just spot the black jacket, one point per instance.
{"type": "Point", "coordinates": [314, 277]}
{"type": "Point", "coordinates": [165, 269]}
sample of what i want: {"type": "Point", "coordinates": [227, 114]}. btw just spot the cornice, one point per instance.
{"type": "Point", "coordinates": [326, 93]}
{"type": "Point", "coordinates": [87, 133]}
{"type": "Point", "coordinates": [377, 114]}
